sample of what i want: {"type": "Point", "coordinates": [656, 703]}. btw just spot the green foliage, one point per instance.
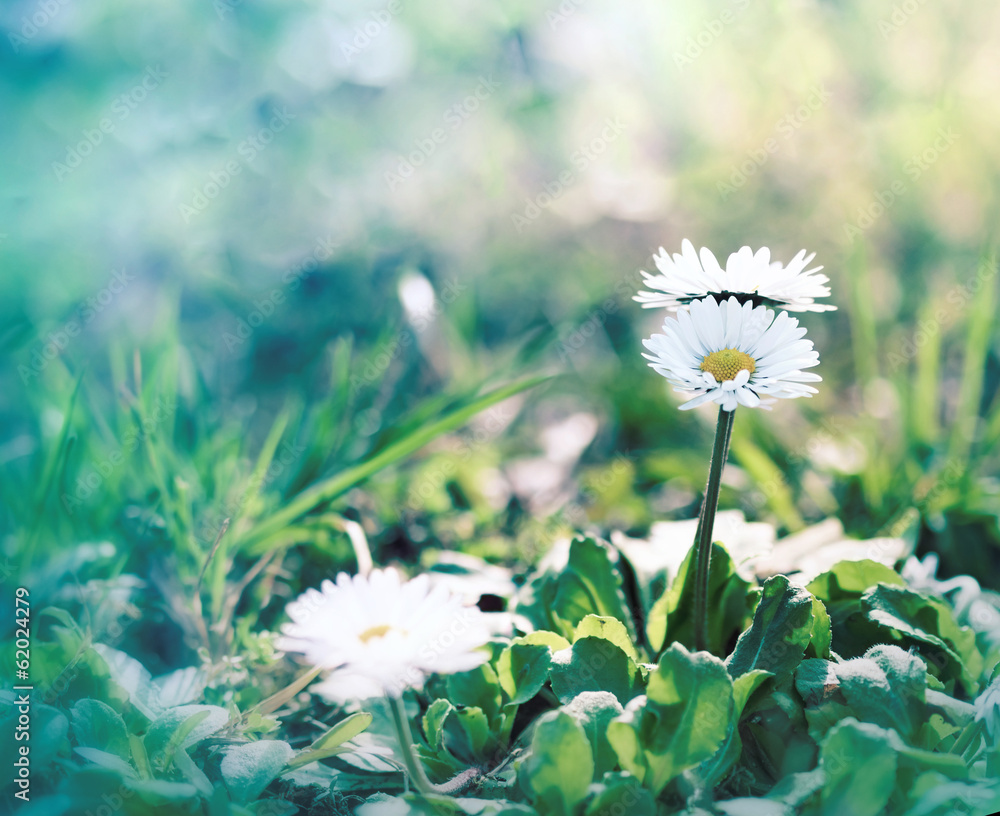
{"type": "Point", "coordinates": [682, 720]}
{"type": "Point", "coordinates": [728, 593]}
{"type": "Point", "coordinates": [560, 767]}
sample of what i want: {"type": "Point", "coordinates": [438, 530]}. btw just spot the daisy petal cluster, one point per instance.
{"type": "Point", "coordinates": [748, 276]}
{"type": "Point", "coordinates": [734, 354]}
{"type": "Point", "coordinates": [379, 634]}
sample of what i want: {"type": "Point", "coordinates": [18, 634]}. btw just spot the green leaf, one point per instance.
{"type": "Point", "coordinates": [542, 637]}
{"type": "Point", "coordinates": [332, 742]}
{"type": "Point", "coordinates": [478, 736]}
{"type": "Point", "coordinates": [592, 664]}
{"type": "Point", "coordinates": [192, 773]}
{"type": "Point", "coordinates": [560, 767]}
{"type": "Point", "coordinates": [434, 720]}
{"type": "Point", "coordinates": [781, 629]}
{"type": "Point", "coordinates": [682, 721]}
{"type": "Point", "coordinates": [159, 792]}
{"type": "Point", "coordinates": [180, 687]}
{"type": "Point", "coordinates": [608, 628]}
{"type": "Point", "coordinates": [134, 679]}
{"type": "Point", "coordinates": [182, 727]}
{"type": "Point", "coordinates": [620, 793]}
{"type": "Point", "coordinates": [479, 687]}
{"type": "Point", "coordinates": [105, 759]}
{"type": "Point", "coordinates": [713, 770]}
{"type": "Point", "coordinates": [851, 579]}
{"type": "Point", "coordinates": [594, 710]}
{"type": "Point", "coordinates": [822, 632]}
{"type": "Point", "coordinates": [523, 668]}
{"type": "Point", "coordinates": [727, 598]}
{"type": "Point", "coordinates": [590, 584]}
{"type": "Point", "coordinates": [929, 624]}
{"type": "Point", "coordinates": [49, 730]}
{"type": "Point", "coordinates": [249, 768]}
{"type": "Point", "coordinates": [886, 687]}
{"type": "Point", "coordinates": [860, 766]}
{"type": "Point", "coordinates": [98, 725]}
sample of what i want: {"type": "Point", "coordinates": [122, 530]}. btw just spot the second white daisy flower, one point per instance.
{"type": "Point", "coordinates": [748, 276]}
{"type": "Point", "coordinates": [733, 354]}
{"type": "Point", "coordinates": [379, 634]}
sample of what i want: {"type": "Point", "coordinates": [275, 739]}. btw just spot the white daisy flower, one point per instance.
{"type": "Point", "coordinates": [749, 277]}
{"type": "Point", "coordinates": [380, 635]}
{"type": "Point", "coordinates": [733, 354]}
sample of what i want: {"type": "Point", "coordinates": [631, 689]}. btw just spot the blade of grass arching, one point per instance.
{"type": "Point", "coordinates": [770, 481]}
{"type": "Point", "coordinates": [217, 584]}
{"type": "Point", "coordinates": [334, 486]}
{"type": "Point", "coordinates": [977, 344]}
{"type": "Point", "coordinates": [864, 334]}
{"type": "Point", "coordinates": [54, 464]}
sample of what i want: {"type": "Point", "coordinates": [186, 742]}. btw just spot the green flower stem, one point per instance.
{"type": "Point", "coordinates": [706, 521]}
{"type": "Point", "coordinates": [415, 770]}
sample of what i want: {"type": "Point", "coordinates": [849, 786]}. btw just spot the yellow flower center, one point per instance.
{"type": "Point", "coordinates": [726, 364]}
{"type": "Point", "coordinates": [381, 630]}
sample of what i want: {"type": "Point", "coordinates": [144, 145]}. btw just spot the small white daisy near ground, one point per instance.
{"type": "Point", "coordinates": [380, 635]}
{"type": "Point", "coordinates": [749, 276]}
{"type": "Point", "coordinates": [733, 354]}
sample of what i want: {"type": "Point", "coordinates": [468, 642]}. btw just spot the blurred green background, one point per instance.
{"type": "Point", "coordinates": [240, 230]}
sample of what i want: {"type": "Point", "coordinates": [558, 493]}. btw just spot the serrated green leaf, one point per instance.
{"type": "Point", "coordinates": [781, 629]}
